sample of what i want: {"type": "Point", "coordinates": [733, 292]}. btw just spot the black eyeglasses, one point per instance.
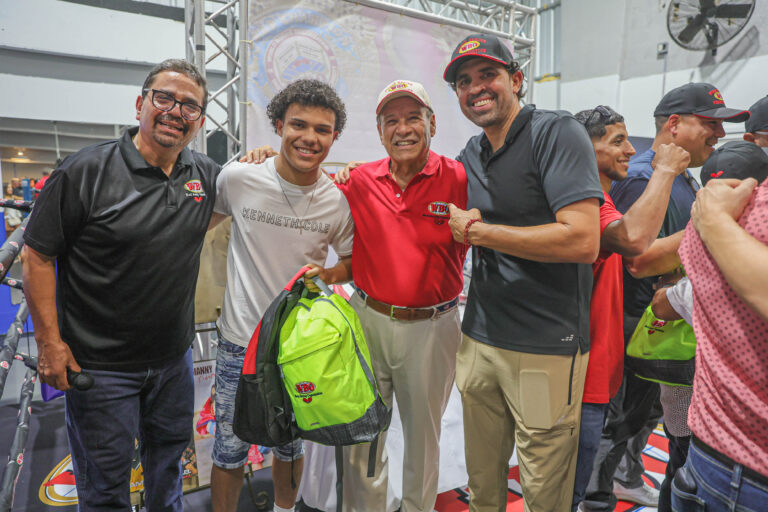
{"type": "Point", "coordinates": [600, 109]}
{"type": "Point", "coordinates": [165, 102]}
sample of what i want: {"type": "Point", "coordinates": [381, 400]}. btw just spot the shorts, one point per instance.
{"type": "Point", "coordinates": [229, 451]}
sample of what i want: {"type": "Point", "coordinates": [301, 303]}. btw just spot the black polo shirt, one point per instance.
{"type": "Point", "coordinates": [547, 162]}
{"type": "Point", "coordinates": [127, 240]}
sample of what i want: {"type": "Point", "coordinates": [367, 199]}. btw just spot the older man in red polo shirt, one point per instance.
{"type": "Point", "coordinates": [408, 274]}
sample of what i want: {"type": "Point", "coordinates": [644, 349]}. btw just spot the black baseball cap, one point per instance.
{"type": "Point", "coordinates": [758, 119]}
{"type": "Point", "coordinates": [701, 100]}
{"type": "Point", "coordinates": [737, 160]}
{"type": "Point", "coordinates": [477, 45]}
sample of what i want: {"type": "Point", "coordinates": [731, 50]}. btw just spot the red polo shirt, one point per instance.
{"type": "Point", "coordinates": [403, 252]}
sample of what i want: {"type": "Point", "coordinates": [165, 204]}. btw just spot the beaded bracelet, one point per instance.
{"type": "Point", "coordinates": [466, 230]}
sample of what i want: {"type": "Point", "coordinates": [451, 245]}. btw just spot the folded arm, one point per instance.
{"type": "Point", "coordinates": [573, 238]}
{"type": "Point", "coordinates": [742, 259]}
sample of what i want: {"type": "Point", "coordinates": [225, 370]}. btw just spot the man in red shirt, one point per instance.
{"type": "Point", "coordinates": [41, 182]}
{"type": "Point", "coordinates": [408, 274]}
{"type": "Point", "coordinates": [629, 235]}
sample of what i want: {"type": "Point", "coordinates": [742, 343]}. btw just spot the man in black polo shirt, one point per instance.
{"type": "Point", "coordinates": [534, 195]}
{"type": "Point", "coordinates": [124, 222]}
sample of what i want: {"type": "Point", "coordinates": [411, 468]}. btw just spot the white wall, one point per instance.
{"type": "Point", "coordinates": [64, 28]}
{"type": "Point", "coordinates": [609, 57]}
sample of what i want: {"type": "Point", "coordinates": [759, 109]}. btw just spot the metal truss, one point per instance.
{"type": "Point", "coordinates": [514, 21]}
{"type": "Point", "coordinates": [220, 36]}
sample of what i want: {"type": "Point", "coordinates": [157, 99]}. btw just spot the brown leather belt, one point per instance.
{"type": "Point", "coordinates": [406, 314]}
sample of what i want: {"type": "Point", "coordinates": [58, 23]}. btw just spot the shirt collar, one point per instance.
{"type": "Point", "coordinates": [136, 162]}
{"type": "Point", "coordinates": [520, 121]}
{"type": "Point", "coordinates": [430, 168]}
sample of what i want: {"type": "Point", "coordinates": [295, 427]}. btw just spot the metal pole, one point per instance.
{"type": "Point", "coordinates": [532, 58]}
{"type": "Point", "coordinates": [16, 455]}
{"type": "Point", "coordinates": [242, 90]}
{"type": "Point", "coordinates": [12, 342]}
{"type": "Point", "coordinates": [194, 18]}
{"type": "Point", "coordinates": [232, 146]}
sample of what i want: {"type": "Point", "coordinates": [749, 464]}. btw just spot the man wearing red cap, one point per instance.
{"type": "Point", "coordinates": [535, 228]}
{"type": "Point", "coordinates": [408, 274]}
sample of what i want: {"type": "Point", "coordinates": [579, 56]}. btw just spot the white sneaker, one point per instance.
{"type": "Point", "coordinates": [644, 495]}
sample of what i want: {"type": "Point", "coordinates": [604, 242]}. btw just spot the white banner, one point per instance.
{"type": "Point", "coordinates": [359, 51]}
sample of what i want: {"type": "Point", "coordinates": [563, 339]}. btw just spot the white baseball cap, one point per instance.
{"type": "Point", "coordinates": [400, 88]}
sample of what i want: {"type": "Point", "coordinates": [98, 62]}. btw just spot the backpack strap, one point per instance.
{"type": "Point", "coordinates": [296, 278]}
{"type": "Point", "coordinates": [339, 450]}
{"type": "Point", "coordinates": [372, 456]}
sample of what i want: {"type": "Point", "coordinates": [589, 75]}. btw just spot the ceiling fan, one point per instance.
{"type": "Point", "coordinates": [707, 24]}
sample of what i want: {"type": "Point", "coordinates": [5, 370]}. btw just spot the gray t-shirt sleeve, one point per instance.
{"type": "Point", "coordinates": [222, 204]}
{"type": "Point", "coordinates": [566, 160]}
{"type": "Point", "coordinates": [680, 297]}
{"type": "Point", "coordinates": [342, 239]}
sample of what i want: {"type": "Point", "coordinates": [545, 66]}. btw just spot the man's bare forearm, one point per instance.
{"type": "Point", "coordinates": [341, 272]}
{"type": "Point", "coordinates": [53, 355]}
{"type": "Point", "coordinates": [742, 259]}
{"type": "Point", "coordinates": [661, 306]}
{"type": "Point", "coordinates": [39, 278]}
{"type": "Point", "coordinates": [660, 258]}
{"type": "Point", "coordinates": [639, 227]}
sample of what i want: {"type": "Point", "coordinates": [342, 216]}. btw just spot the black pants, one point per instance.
{"type": "Point", "coordinates": [678, 453]}
{"type": "Point", "coordinates": [632, 415]}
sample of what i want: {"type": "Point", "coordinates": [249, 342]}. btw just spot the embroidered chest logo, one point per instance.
{"type": "Point", "coordinates": [194, 189]}
{"type": "Point", "coordinates": [438, 210]}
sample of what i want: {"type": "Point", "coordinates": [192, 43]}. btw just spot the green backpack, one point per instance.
{"type": "Point", "coordinates": [307, 373]}
{"type": "Point", "coordinates": [327, 373]}
{"type": "Point", "coordinates": [662, 351]}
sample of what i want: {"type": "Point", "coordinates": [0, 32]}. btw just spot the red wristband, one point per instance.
{"type": "Point", "coordinates": [466, 230]}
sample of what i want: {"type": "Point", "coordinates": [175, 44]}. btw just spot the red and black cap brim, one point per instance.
{"type": "Point", "coordinates": [729, 115]}
{"type": "Point", "coordinates": [453, 67]}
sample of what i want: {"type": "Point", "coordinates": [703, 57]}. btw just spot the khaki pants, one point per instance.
{"type": "Point", "coordinates": [529, 400]}
{"type": "Point", "coordinates": [416, 361]}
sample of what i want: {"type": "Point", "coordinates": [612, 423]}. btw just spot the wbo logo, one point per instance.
{"type": "Point", "coordinates": [397, 86]}
{"type": "Point", "coordinates": [718, 98]}
{"type": "Point", "coordinates": [438, 208]}
{"type": "Point", "coordinates": [306, 391]}
{"type": "Point", "coordinates": [194, 189]}
{"type": "Point", "coordinates": [656, 325]}
{"type": "Point", "coordinates": [469, 46]}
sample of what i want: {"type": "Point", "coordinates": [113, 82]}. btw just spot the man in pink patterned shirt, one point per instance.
{"type": "Point", "coordinates": [725, 260]}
